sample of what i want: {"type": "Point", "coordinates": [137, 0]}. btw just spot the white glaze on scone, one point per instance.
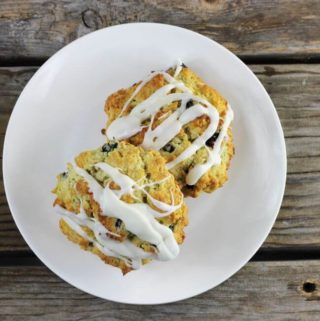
{"type": "Point", "coordinates": [128, 125]}
{"type": "Point", "coordinates": [139, 218]}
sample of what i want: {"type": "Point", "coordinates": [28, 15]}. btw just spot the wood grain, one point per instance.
{"type": "Point", "coordinates": [272, 290]}
{"type": "Point", "coordinates": [295, 92]}
{"type": "Point", "coordinates": [12, 81]}
{"type": "Point", "coordinates": [35, 29]}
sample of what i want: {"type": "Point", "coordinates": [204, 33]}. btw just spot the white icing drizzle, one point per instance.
{"type": "Point", "coordinates": [125, 250]}
{"type": "Point", "coordinates": [139, 218]}
{"type": "Point", "coordinates": [214, 157]}
{"type": "Point", "coordinates": [178, 69]}
{"type": "Point", "coordinates": [126, 126]}
{"type": "Point", "coordinates": [128, 185]}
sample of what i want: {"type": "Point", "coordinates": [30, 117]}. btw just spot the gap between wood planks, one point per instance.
{"type": "Point", "coordinates": [28, 258]}
{"type": "Point", "coordinates": [253, 60]}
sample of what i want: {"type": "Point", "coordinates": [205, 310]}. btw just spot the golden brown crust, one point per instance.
{"type": "Point", "coordinates": [143, 167]}
{"type": "Point", "coordinates": [217, 175]}
{"type": "Point", "coordinates": [88, 246]}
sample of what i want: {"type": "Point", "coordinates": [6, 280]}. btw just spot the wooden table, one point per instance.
{"type": "Point", "coordinates": [280, 41]}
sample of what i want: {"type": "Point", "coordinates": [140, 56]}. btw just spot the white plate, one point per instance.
{"type": "Point", "coordinates": [60, 113]}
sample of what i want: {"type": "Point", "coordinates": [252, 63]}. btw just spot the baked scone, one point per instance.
{"type": "Point", "coordinates": [176, 113]}
{"type": "Point", "coordinates": [121, 203]}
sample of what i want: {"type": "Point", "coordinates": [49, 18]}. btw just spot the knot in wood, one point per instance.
{"type": "Point", "coordinates": [91, 19]}
{"type": "Point", "coordinates": [309, 287]}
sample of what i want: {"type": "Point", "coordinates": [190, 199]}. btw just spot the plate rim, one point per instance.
{"type": "Point", "coordinates": [167, 26]}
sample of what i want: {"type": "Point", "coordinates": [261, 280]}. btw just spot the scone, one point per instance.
{"type": "Point", "coordinates": [121, 203]}
{"type": "Point", "coordinates": [183, 118]}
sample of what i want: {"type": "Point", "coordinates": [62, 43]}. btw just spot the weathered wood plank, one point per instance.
{"type": "Point", "coordinates": [35, 29]}
{"type": "Point", "coordinates": [12, 81]}
{"type": "Point", "coordinates": [295, 92]}
{"type": "Point", "coordinates": [272, 290]}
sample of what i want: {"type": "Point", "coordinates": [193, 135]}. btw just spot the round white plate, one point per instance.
{"type": "Point", "coordinates": [60, 113]}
